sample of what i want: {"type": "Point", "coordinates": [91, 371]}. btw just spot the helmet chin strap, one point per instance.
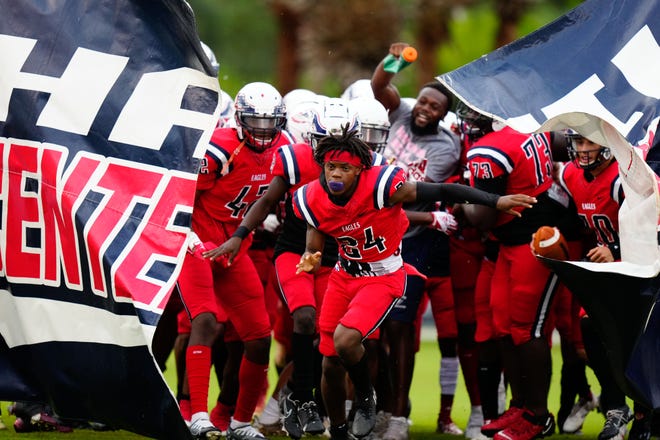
{"type": "Point", "coordinates": [238, 149]}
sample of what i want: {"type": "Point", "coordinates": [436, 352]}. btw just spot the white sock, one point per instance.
{"type": "Point", "coordinates": [271, 413]}
{"type": "Point", "coordinates": [199, 415]}
{"type": "Point", "coordinates": [236, 424]}
{"type": "Point", "coordinates": [448, 375]}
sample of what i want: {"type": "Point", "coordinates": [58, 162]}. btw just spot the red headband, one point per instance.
{"type": "Point", "coordinates": [343, 156]}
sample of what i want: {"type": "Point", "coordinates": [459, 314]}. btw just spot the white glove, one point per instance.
{"type": "Point", "coordinates": [443, 221]}
{"type": "Point", "coordinates": [193, 242]}
{"type": "Point", "coordinates": [195, 245]}
{"type": "Point", "coordinates": [271, 223]}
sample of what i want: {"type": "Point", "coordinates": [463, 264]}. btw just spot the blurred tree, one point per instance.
{"type": "Point", "coordinates": [509, 13]}
{"type": "Point", "coordinates": [326, 45]}
{"type": "Point", "coordinates": [289, 16]}
{"type": "Point", "coordinates": [431, 27]}
{"type": "Point", "coordinates": [344, 40]}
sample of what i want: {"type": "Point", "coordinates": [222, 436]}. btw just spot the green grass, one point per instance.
{"type": "Point", "coordinates": [425, 396]}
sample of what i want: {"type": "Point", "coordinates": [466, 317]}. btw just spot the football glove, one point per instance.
{"type": "Point", "coordinates": [443, 221]}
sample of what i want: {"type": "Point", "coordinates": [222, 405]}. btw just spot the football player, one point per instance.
{"type": "Point", "coordinates": [360, 206]}
{"type": "Point", "coordinates": [234, 173]}
{"type": "Point", "coordinates": [293, 167]}
{"type": "Point", "coordinates": [504, 161]}
{"type": "Point", "coordinates": [592, 180]}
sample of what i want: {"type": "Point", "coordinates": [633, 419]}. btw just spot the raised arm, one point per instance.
{"type": "Point", "coordinates": [381, 81]}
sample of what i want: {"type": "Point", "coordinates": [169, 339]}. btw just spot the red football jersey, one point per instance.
{"type": "Point", "coordinates": [366, 229]}
{"type": "Point", "coordinates": [598, 201]}
{"type": "Point", "coordinates": [296, 165]}
{"type": "Point", "coordinates": [227, 188]}
{"type": "Point", "coordinates": [525, 160]}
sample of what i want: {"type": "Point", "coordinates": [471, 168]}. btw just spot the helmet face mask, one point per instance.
{"type": "Point", "coordinates": [586, 154]}
{"type": "Point", "coordinates": [472, 124]}
{"type": "Point", "coordinates": [375, 136]}
{"type": "Point", "coordinates": [260, 115]}
{"type": "Point", "coordinates": [374, 120]}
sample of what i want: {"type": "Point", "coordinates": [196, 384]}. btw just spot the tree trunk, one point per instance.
{"type": "Point", "coordinates": [288, 60]}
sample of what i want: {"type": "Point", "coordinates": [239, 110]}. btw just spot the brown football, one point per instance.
{"type": "Point", "coordinates": [549, 242]}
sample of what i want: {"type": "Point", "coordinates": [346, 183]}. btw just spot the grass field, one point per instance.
{"type": "Point", "coordinates": [425, 398]}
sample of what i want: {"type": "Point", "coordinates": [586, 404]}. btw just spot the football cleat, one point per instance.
{"type": "Point", "coordinates": [510, 416]}
{"type": "Point", "coordinates": [203, 429]}
{"type": "Point", "coordinates": [245, 432]}
{"type": "Point", "coordinates": [365, 415]}
{"type": "Point", "coordinates": [616, 424]}
{"type": "Point", "coordinates": [528, 427]}
{"type": "Point", "coordinates": [575, 419]}
{"type": "Point", "coordinates": [397, 429]}
{"type": "Point", "coordinates": [289, 410]}
{"type": "Point", "coordinates": [310, 421]}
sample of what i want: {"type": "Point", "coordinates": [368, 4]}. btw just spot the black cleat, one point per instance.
{"type": "Point", "coordinates": [365, 415]}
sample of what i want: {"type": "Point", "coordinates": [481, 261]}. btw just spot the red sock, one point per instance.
{"type": "Point", "coordinates": [184, 406]}
{"type": "Point", "coordinates": [198, 367]}
{"type": "Point", "coordinates": [251, 379]}
{"type": "Point", "coordinates": [221, 416]}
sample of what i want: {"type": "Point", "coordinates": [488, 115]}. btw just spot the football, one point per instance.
{"type": "Point", "coordinates": [549, 242]}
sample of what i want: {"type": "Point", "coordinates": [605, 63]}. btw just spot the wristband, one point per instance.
{"type": "Point", "coordinates": [616, 251]}
{"type": "Point", "coordinates": [241, 232]}
{"type": "Point", "coordinates": [392, 64]}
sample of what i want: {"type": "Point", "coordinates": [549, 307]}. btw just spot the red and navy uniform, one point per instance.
{"type": "Point", "coordinates": [522, 288]}
{"type": "Point", "coordinates": [369, 276]}
{"type": "Point", "coordinates": [597, 201]}
{"type": "Point", "coordinates": [231, 177]}
{"type": "Point", "coordinates": [224, 193]}
{"type": "Point", "coordinates": [295, 164]}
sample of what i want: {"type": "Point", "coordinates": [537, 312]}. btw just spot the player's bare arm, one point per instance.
{"type": "Point", "coordinates": [253, 218]}
{"type": "Point", "coordinates": [384, 90]}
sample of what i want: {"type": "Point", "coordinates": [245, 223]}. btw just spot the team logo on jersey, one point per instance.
{"type": "Point", "coordinates": [352, 227]}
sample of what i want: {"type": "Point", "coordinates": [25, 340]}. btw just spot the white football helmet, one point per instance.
{"type": "Point", "coordinates": [331, 118]}
{"type": "Point", "coordinates": [226, 110]}
{"type": "Point", "coordinates": [358, 89]}
{"type": "Point", "coordinates": [374, 122]}
{"type": "Point", "coordinates": [450, 122]}
{"type": "Point", "coordinates": [297, 96]}
{"type": "Point", "coordinates": [260, 115]}
{"type": "Point", "coordinates": [299, 117]}
{"type": "Point", "coordinates": [211, 56]}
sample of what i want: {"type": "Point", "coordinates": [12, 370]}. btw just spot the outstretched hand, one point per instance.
{"type": "Point", "coordinates": [509, 202]}
{"type": "Point", "coordinates": [308, 262]}
{"type": "Point", "coordinates": [226, 251]}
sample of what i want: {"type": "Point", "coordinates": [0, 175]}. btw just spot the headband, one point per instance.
{"type": "Point", "coordinates": [343, 156]}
